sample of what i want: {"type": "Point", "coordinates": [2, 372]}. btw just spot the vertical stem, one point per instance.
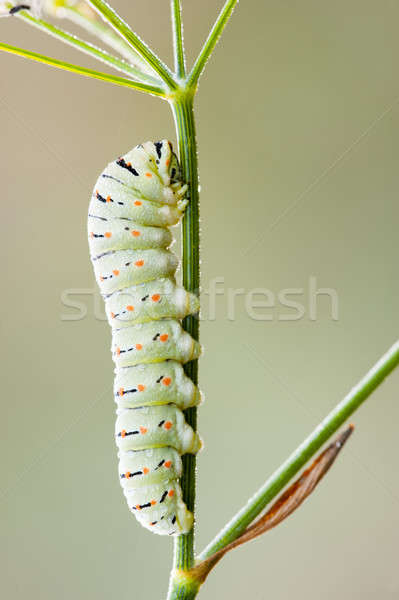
{"type": "Point", "coordinates": [180, 590]}
{"type": "Point", "coordinates": [182, 107]}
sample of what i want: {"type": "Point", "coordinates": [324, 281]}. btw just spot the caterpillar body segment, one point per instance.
{"type": "Point", "coordinates": [155, 427]}
{"type": "Point", "coordinates": [153, 384]}
{"type": "Point", "coordinates": [125, 235]}
{"type": "Point", "coordinates": [159, 299]}
{"type": "Point", "coordinates": [135, 201]}
{"type": "Point", "coordinates": [153, 342]}
{"type": "Point", "coordinates": [124, 268]}
{"type": "Point", "coordinates": [158, 512]}
{"type": "Point", "coordinates": [149, 467]}
{"type": "Point", "coordinates": [106, 207]}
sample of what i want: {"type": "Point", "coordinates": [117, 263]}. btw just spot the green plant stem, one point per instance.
{"type": "Point", "coordinates": [97, 28]}
{"type": "Point", "coordinates": [182, 588]}
{"type": "Point", "coordinates": [182, 107]}
{"type": "Point", "coordinates": [53, 62]}
{"type": "Point", "coordinates": [87, 48]}
{"type": "Point", "coordinates": [178, 46]}
{"type": "Point", "coordinates": [211, 42]}
{"type": "Point", "coordinates": [305, 451]}
{"type": "Point", "coordinates": [133, 40]}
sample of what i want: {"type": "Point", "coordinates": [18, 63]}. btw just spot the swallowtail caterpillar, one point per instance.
{"type": "Point", "coordinates": [135, 201]}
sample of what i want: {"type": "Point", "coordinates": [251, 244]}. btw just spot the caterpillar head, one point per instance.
{"type": "Point", "coordinates": [156, 163]}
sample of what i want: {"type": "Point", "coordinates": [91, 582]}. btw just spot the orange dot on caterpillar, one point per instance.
{"type": "Point", "coordinates": [171, 493]}
{"type": "Point", "coordinates": [139, 263]}
{"type": "Point", "coordinates": [137, 203]}
{"type": "Point", "coordinates": [108, 234]}
{"type": "Point", "coordinates": [123, 433]}
{"type": "Point", "coordinates": [163, 337]}
{"type": "Point", "coordinates": [115, 272]}
{"type": "Point", "coordinates": [168, 425]}
{"type": "Point", "coordinates": [139, 347]}
{"type": "Point", "coordinates": [145, 471]}
{"type": "Point", "coordinates": [143, 430]}
{"type": "Point", "coordinates": [155, 297]}
{"type": "Point", "coordinates": [141, 388]}
{"type": "Point", "coordinates": [129, 307]}
{"type": "Point", "coordinates": [166, 381]}
{"type": "Point", "coordinates": [153, 502]}
{"type": "Point", "coordinates": [121, 391]}
{"type": "Point", "coordinates": [135, 233]}
{"type": "Point", "coordinates": [168, 464]}
{"type": "Point", "coordinates": [127, 474]}
{"type": "Point", "coordinates": [148, 175]}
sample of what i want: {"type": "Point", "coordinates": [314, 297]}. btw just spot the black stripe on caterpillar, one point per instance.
{"type": "Point", "coordinates": [135, 201]}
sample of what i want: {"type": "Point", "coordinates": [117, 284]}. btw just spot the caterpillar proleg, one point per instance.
{"type": "Point", "coordinates": [135, 201]}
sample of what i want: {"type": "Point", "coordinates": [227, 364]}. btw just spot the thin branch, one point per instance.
{"type": "Point", "coordinates": [111, 17]}
{"type": "Point", "coordinates": [53, 62]}
{"type": "Point", "coordinates": [87, 18]}
{"type": "Point", "coordinates": [285, 505]}
{"type": "Point", "coordinates": [304, 452]}
{"type": "Point", "coordinates": [211, 42]}
{"type": "Point", "coordinates": [87, 48]}
{"type": "Point", "coordinates": [178, 45]}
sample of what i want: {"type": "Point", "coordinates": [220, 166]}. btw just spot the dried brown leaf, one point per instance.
{"type": "Point", "coordinates": [284, 506]}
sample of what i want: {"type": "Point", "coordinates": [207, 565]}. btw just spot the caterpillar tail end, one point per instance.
{"type": "Point", "coordinates": [183, 523]}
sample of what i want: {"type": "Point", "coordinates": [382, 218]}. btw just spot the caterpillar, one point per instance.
{"type": "Point", "coordinates": [135, 201]}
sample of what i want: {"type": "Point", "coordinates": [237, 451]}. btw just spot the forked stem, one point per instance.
{"type": "Point", "coordinates": [87, 48]}
{"type": "Point", "coordinates": [115, 21]}
{"type": "Point", "coordinates": [78, 13]}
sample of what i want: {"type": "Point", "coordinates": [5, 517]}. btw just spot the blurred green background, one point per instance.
{"type": "Point", "coordinates": [297, 116]}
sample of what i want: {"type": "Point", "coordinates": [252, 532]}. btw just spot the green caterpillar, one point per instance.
{"type": "Point", "coordinates": [135, 201]}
